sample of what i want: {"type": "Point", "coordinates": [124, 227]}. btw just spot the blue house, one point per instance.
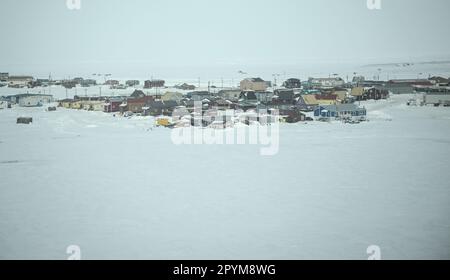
{"type": "Point", "coordinates": [340, 111]}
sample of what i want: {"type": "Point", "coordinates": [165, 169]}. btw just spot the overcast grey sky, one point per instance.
{"type": "Point", "coordinates": [134, 35]}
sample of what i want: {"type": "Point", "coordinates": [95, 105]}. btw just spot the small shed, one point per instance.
{"type": "Point", "coordinates": [24, 120]}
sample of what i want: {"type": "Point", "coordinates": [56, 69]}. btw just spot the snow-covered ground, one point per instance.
{"type": "Point", "coordinates": [119, 188]}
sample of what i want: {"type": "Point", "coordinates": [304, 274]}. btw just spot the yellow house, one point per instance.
{"type": "Point", "coordinates": [255, 84]}
{"type": "Point", "coordinates": [326, 102]}
{"type": "Point", "coordinates": [65, 104]}
{"type": "Point", "coordinates": [76, 105]}
{"type": "Point", "coordinates": [310, 99]}
{"type": "Point", "coordinates": [341, 95]}
{"type": "Point", "coordinates": [176, 96]}
{"type": "Point", "coordinates": [357, 92]}
{"type": "Point", "coordinates": [94, 105]}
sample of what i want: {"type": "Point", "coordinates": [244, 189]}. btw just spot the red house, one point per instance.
{"type": "Point", "coordinates": [135, 105]}
{"type": "Point", "coordinates": [112, 105]}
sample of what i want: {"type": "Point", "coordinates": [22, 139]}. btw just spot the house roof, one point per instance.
{"type": "Point", "coordinates": [170, 103]}
{"type": "Point", "coordinates": [439, 79]}
{"type": "Point", "coordinates": [137, 93]}
{"type": "Point", "coordinates": [409, 81]}
{"type": "Point", "coordinates": [341, 107]}
{"type": "Point", "coordinates": [255, 80]}
{"type": "Point", "coordinates": [310, 99]}
{"type": "Point", "coordinates": [341, 95]}
{"type": "Point", "coordinates": [326, 79]}
{"type": "Point", "coordinates": [30, 95]}
{"type": "Point", "coordinates": [326, 97]}
{"type": "Point", "coordinates": [357, 91]}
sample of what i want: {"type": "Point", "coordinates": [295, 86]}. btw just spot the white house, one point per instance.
{"type": "Point", "coordinates": [19, 81]}
{"type": "Point", "coordinates": [327, 82]}
{"type": "Point", "coordinates": [255, 84]}
{"type": "Point", "coordinates": [3, 104]}
{"type": "Point", "coordinates": [437, 98]}
{"type": "Point", "coordinates": [33, 100]}
{"type": "Point", "coordinates": [231, 94]}
{"type": "Point", "coordinates": [4, 77]}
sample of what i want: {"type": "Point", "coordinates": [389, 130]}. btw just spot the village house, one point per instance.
{"type": "Point", "coordinates": [77, 105]}
{"type": "Point", "coordinates": [357, 93]}
{"type": "Point", "coordinates": [92, 105]}
{"type": "Point", "coordinates": [42, 82]}
{"type": "Point", "coordinates": [326, 82]}
{"type": "Point", "coordinates": [154, 95]}
{"type": "Point", "coordinates": [78, 80]}
{"type": "Point", "coordinates": [292, 115]}
{"type": "Point", "coordinates": [185, 87]}
{"type": "Point", "coordinates": [223, 104]}
{"type": "Point", "coordinates": [371, 83]}
{"type": "Point", "coordinates": [112, 105]}
{"type": "Point", "coordinates": [65, 103]}
{"type": "Point", "coordinates": [264, 96]}
{"type": "Point", "coordinates": [137, 94]}
{"type": "Point", "coordinates": [169, 106]}
{"type": "Point", "coordinates": [439, 81]}
{"type": "Point", "coordinates": [326, 99]}
{"type": "Point", "coordinates": [88, 83]}
{"type": "Point", "coordinates": [69, 84]}
{"type": "Point", "coordinates": [119, 86]}
{"type": "Point", "coordinates": [405, 86]}
{"type": "Point", "coordinates": [248, 96]}
{"type": "Point", "coordinates": [198, 95]}
{"type": "Point", "coordinates": [283, 96]}
{"type": "Point", "coordinates": [372, 93]}
{"type": "Point", "coordinates": [132, 83]}
{"type": "Point", "coordinates": [159, 107]}
{"type": "Point", "coordinates": [112, 82]}
{"type": "Point", "coordinates": [255, 84]}
{"type": "Point", "coordinates": [176, 96]}
{"type": "Point", "coordinates": [434, 95]}
{"type": "Point", "coordinates": [292, 83]}
{"type": "Point", "coordinates": [248, 100]}
{"type": "Point", "coordinates": [154, 108]}
{"type": "Point", "coordinates": [4, 104]}
{"type": "Point", "coordinates": [358, 79]}
{"type": "Point", "coordinates": [136, 105]}
{"type": "Point", "coordinates": [154, 84]}
{"type": "Point", "coordinates": [230, 94]}
{"type": "Point", "coordinates": [341, 95]}
{"type": "Point", "coordinates": [340, 111]}
{"type": "Point", "coordinates": [30, 100]}
{"type": "Point", "coordinates": [307, 102]}
{"type": "Point", "coordinates": [19, 81]}
{"type": "Point", "coordinates": [4, 77]}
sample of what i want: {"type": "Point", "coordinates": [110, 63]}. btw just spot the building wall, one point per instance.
{"type": "Point", "coordinates": [172, 96]}
{"type": "Point", "coordinates": [256, 86]}
{"type": "Point", "coordinates": [436, 98]}
{"type": "Point", "coordinates": [327, 82]}
{"type": "Point", "coordinates": [32, 101]}
{"type": "Point", "coordinates": [135, 107]}
{"type": "Point", "coordinates": [232, 94]}
{"type": "Point", "coordinates": [4, 77]}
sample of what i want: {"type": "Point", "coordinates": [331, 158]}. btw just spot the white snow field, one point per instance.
{"type": "Point", "coordinates": [121, 190]}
